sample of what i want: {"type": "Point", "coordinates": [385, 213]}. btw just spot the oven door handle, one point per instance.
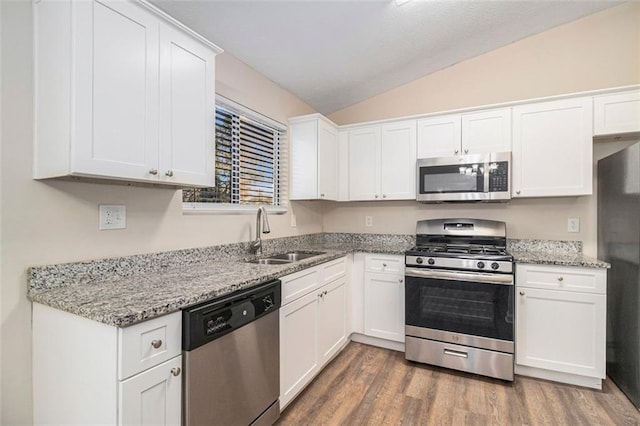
{"type": "Point", "coordinates": [478, 277]}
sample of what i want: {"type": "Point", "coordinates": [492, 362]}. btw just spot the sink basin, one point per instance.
{"type": "Point", "coordinates": [294, 256]}
{"type": "Point", "coordinates": [269, 261]}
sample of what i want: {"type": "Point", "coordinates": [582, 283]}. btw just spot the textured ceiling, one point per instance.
{"type": "Point", "coordinates": [333, 54]}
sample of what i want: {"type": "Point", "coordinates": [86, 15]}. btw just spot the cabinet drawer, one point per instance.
{"type": "Point", "coordinates": [149, 343]}
{"type": "Point", "coordinates": [297, 285]}
{"type": "Point", "coordinates": [582, 280]}
{"type": "Point", "coordinates": [384, 263]}
{"type": "Point", "coordinates": [334, 269]}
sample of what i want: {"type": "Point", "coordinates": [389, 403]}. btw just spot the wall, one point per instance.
{"type": "Point", "coordinates": [599, 51]}
{"type": "Point", "coordinates": [46, 222]}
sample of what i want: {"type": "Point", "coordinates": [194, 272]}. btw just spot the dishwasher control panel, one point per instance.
{"type": "Point", "coordinates": [210, 320]}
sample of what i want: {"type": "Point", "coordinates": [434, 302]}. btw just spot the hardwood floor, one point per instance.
{"type": "Point", "coordinates": [366, 385]}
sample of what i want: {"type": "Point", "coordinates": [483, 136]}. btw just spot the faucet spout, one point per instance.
{"type": "Point", "coordinates": [256, 245]}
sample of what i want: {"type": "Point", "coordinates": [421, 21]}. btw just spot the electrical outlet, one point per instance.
{"type": "Point", "coordinates": [573, 224]}
{"type": "Point", "coordinates": [293, 221]}
{"type": "Point", "coordinates": [368, 221]}
{"type": "Point", "coordinates": [113, 217]}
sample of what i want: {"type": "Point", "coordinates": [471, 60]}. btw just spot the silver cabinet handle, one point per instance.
{"type": "Point", "coordinates": [156, 343]}
{"type": "Point", "coordinates": [518, 192]}
{"type": "Point", "coordinates": [466, 151]}
{"type": "Point", "coordinates": [384, 265]}
{"type": "Point", "coordinates": [377, 196]}
{"type": "Point", "coordinates": [322, 195]}
{"type": "Point", "coordinates": [384, 195]}
{"type": "Point", "coordinates": [153, 172]}
{"type": "Point", "coordinates": [400, 280]}
{"type": "Point", "coordinates": [456, 353]}
{"type": "Point", "coordinates": [560, 279]}
{"type": "Point", "coordinates": [455, 152]}
{"type": "Point", "coordinates": [176, 371]}
{"type": "Point", "coordinates": [169, 173]}
{"type": "Point", "coordinates": [522, 293]}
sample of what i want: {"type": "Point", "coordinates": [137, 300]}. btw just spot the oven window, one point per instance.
{"type": "Point", "coordinates": [457, 178]}
{"type": "Point", "coordinates": [477, 309]}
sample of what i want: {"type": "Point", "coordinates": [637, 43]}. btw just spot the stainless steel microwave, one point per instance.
{"type": "Point", "coordinates": [476, 177]}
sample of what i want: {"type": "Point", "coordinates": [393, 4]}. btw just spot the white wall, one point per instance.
{"type": "Point", "coordinates": [44, 222]}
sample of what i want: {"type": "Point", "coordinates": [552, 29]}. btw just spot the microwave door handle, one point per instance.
{"type": "Point", "coordinates": [485, 175]}
{"type": "Point", "coordinates": [477, 277]}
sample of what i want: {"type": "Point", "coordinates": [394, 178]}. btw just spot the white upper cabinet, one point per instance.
{"type": "Point", "coordinates": [314, 158]}
{"type": "Point", "coordinates": [553, 148]}
{"type": "Point", "coordinates": [382, 162]}
{"type": "Point", "coordinates": [617, 113]}
{"type": "Point", "coordinates": [364, 163]}
{"type": "Point", "coordinates": [460, 134]}
{"type": "Point", "coordinates": [123, 94]}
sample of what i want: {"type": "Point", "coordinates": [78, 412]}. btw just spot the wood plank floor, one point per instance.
{"type": "Point", "coordinates": [365, 385]}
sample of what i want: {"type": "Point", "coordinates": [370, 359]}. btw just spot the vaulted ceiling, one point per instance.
{"type": "Point", "coordinates": [333, 54]}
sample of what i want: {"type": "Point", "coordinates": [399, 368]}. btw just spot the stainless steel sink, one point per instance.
{"type": "Point", "coordinates": [282, 258]}
{"type": "Point", "coordinates": [294, 256]}
{"type": "Point", "coordinates": [269, 261]}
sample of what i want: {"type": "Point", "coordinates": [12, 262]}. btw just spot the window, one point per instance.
{"type": "Point", "coordinates": [248, 160]}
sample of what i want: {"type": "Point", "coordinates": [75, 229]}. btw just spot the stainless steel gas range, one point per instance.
{"type": "Point", "coordinates": [459, 292]}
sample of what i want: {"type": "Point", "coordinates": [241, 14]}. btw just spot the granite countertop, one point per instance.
{"type": "Point", "coordinates": [124, 291]}
{"type": "Point", "coordinates": [545, 252]}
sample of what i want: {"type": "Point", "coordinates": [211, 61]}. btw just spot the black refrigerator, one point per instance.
{"type": "Point", "coordinates": [618, 244]}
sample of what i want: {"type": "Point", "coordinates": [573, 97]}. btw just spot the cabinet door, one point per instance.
{"type": "Point", "coordinates": [116, 96]}
{"type": "Point", "coordinates": [327, 161]}
{"type": "Point", "coordinates": [439, 136]}
{"type": "Point", "coordinates": [619, 113]}
{"type": "Point", "coordinates": [398, 161]}
{"type": "Point", "coordinates": [298, 346]}
{"type": "Point", "coordinates": [561, 331]}
{"type": "Point", "coordinates": [384, 306]}
{"type": "Point", "coordinates": [553, 148]}
{"type": "Point", "coordinates": [153, 397]}
{"type": "Point", "coordinates": [332, 319]}
{"type": "Point", "coordinates": [364, 164]}
{"type": "Point", "coordinates": [343, 165]}
{"type": "Point", "coordinates": [486, 131]}
{"type": "Point", "coordinates": [304, 160]}
{"type": "Point", "coordinates": [187, 110]}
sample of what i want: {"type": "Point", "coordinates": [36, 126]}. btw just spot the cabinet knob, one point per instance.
{"type": "Point", "coordinates": [384, 265]}
{"type": "Point", "coordinates": [466, 151]}
{"type": "Point", "coordinates": [518, 192]}
{"type": "Point", "coordinates": [176, 371]}
{"type": "Point", "coordinates": [456, 151]}
{"type": "Point", "coordinates": [401, 280]}
{"type": "Point", "coordinates": [384, 195]}
{"type": "Point", "coordinates": [156, 343]}
{"type": "Point", "coordinates": [153, 172]}
{"type": "Point", "coordinates": [560, 279]}
{"type": "Point", "coordinates": [377, 196]}
{"type": "Point", "coordinates": [322, 195]}
{"type": "Point", "coordinates": [169, 173]}
{"type": "Point", "coordinates": [522, 293]}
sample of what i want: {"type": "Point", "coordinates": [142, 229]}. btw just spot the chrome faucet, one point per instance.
{"type": "Point", "coordinates": [256, 244]}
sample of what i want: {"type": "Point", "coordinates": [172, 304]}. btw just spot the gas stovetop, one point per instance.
{"type": "Point", "coordinates": [461, 244]}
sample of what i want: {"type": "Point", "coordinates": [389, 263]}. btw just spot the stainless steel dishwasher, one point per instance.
{"type": "Point", "coordinates": [231, 359]}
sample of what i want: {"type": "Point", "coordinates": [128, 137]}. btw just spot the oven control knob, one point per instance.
{"type": "Point", "coordinates": [495, 265]}
{"type": "Point", "coordinates": [480, 265]}
{"type": "Point", "coordinates": [419, 261]}
{"type": "Point", "coordinates": [431, 261]}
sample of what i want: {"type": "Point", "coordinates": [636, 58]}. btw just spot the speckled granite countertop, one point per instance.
{"type": "Point", "coordinates": [545, 252]}
{"type": "Point", "coordinates": [126, 290]}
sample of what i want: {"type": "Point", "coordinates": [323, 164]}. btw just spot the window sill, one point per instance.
{"type": "Point", "coordinates": [213, 208]}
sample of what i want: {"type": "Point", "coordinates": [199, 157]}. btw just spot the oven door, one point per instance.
{"type": "Point", "coordinates": [468, 308]}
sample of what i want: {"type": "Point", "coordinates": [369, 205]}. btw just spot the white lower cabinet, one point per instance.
{"type": "Point", "coordinates": [313, 327]}
{"type": "Point", "coordinates": [560, 323]}
{"type": "Point", "coordinates": [86, 372]}
{"type": "Point", "coordinates": [149, 398]}
{"type": "Point", "coordinates": [384, 296]}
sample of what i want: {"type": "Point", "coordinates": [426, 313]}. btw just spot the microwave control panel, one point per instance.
{"type": "Point", "coordinates": [499, 176]}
